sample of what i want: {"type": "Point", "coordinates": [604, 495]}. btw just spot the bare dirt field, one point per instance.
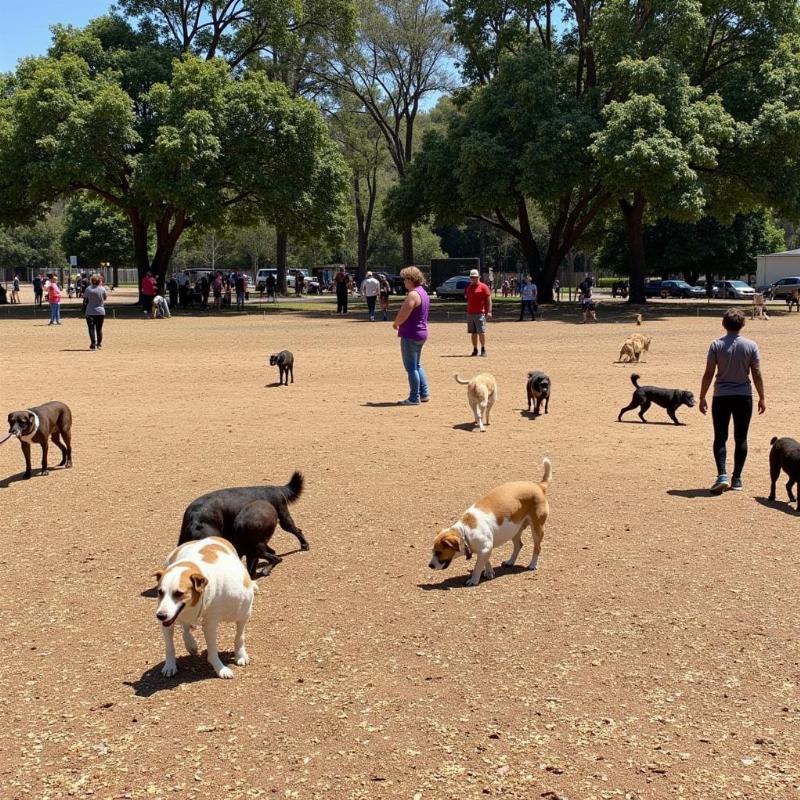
{"type": "Point", "coordinates": [654, 654]}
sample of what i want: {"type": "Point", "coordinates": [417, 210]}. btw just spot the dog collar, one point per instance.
{"type": "Point", "coordinates": [467, 548]}
{"type": "Point", "coordinates": [29, 436]}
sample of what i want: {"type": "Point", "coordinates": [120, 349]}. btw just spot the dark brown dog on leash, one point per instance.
{"type": "Point", "coordinates": [40, 424]}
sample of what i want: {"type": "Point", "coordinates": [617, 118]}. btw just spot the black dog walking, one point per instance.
{"type": "Point", "coordinates": [645, 396]}
{"type": "Point", "coordinates": [246, 516]}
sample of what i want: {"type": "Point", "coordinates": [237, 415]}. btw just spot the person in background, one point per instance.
{"type": "Point", "coordinates": [54, 298]}
{"type": "Point", "coordinates": [241, 290]}
{"type": "Point", "coordinates": [341, 279]}
{"type": "Point", "coordinates": [38, 284]}
{"type": "Point", "coordinates": [528, 294]}
{"type": "Point", "coordinates": [272, 282]}
{"type": "Point", "coordinates": [384, 293]}
{"type": "Point", "coordinates": [172, 288]}
{"type": "Point", "coordinates": [15, 289]}
{"type": "Point", "coordinates": [370, 288]}
{"type": "Point", "coordinates": [94, 299]}
{"type": "Point", "coordinates": [148, 293]}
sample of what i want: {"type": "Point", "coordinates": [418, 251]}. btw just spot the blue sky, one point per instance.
{"type": "Point", "coordinates": [25, 30]}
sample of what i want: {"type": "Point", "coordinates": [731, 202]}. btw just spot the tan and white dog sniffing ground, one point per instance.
{"type": "Point", "coordinates": [204, 582]}
{"type": "Point", "coordinates": [481, 395]}
{"type": "Point", "coordinates": [499, 517]}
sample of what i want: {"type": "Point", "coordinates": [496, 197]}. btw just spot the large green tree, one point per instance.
{"type": "Point", "coordinates": [96, 233]}
{"type": "Point", "coordinates": [171, 142]}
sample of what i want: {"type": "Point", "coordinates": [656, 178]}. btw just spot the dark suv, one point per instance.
{"type": "Point", "coordinates": [681, 289]}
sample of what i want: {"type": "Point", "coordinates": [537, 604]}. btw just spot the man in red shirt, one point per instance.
{"type": "Point", "coordinates": [149, 287]}
{"type": "Point", "coordinates": [479, 309]}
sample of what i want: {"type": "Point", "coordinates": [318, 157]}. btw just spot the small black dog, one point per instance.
{"type": "Point", "coordinates": [538, 390]}
{"type": "Point", "coordinates": [245, 516]}
{"type": "Point", "coordinates": [785, 453]}
{"type": "Point", "coordinates": [285, 363]}
{"type": "Point", "coordinates": [645, 396]}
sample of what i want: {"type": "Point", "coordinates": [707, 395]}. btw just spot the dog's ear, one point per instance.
{"type": "Point", "coordinates": [199, 582]}
{"type": "Point", "coordinates": [157, 575]}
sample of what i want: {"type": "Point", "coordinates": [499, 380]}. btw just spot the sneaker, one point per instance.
{"type": "Point", "coordinates": [408, 402]}
{"type": "Point", "coordinates": [475, 352]}
{"type": "Point", "coordinates": [721, 484]}
{"type": "Point", "coordinates": [483, 353]}
{"type": "Point", "coordinates": [736, 485]}
{"type": "Point", "coordinates": [425, 399]}
{"type": "Point", "coordinates": [92, 347]}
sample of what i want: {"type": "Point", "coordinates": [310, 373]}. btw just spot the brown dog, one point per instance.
{"type": "Point", "coordinates": [38, 425]}
{"type": "Point", "coordinates": [634, 346]}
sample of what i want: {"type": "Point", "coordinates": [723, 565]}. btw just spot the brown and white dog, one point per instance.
{"type": "Point", "coordinates": [499, 517]}
{"type": "Point", "coordinates": [481, 395]}
{"type": "Point", "coordinates": [39, 424]}
{"type": "Point", "coordinates": [204, 582]}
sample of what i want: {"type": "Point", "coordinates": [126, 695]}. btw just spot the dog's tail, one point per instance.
{"type": "Point", "coordinates": [460, 380]}
{"type": "Point", "coordinates": [548, 474]}
{"type": "Point", "coordinates": [294, 488]}
{"type": "Point", "coordinates": [773, 440]}
{"type": "Point", "coordinates": [635, 380]}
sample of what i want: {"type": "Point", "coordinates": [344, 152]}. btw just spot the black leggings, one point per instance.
{"type": "Point", "coordinates": [341, 300]}
{"type": "Point", "coordinates": [95, 324]}
{"type": "Point", "coordinates": [740, 407]}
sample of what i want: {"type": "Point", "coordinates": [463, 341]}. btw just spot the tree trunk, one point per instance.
{"type": "Point", "coordinates": [281, 247]}
{"type": "Point", "coordinates": [634, 225]}
{"type": "Point", "coordinates": [408, 247]}
{"type": "Point", "coordinates": [361, 229]}
{"type": "Point", "coordinates": [140, 249]}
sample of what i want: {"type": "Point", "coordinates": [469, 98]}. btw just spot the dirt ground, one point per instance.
{"type": "Point", "coordinates": [654, 654]}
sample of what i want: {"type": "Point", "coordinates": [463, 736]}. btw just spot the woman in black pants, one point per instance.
{"type": "Point", "coordinates": [94, 298]}
{"type": "Point", "coordinates": [734, 359]}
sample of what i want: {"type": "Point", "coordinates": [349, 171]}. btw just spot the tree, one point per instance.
{"type": "Point", "coordinates": [96, 233]}
{"type": "Point", "coordinates": [517, 152]}
{"type": "Point", "coordinates": [398, 60]}
{"type": "Point", "coordinates": [706, 247]}
{"type": "Point", "coordinates": [34, 246]}
{"type": "Point", "coordinates": [205, 146]}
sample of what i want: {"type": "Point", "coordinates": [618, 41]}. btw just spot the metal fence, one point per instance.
{"type": "Point", "coordinates": [27, 274]}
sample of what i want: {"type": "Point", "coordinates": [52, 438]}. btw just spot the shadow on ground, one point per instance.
{"type": "Point", "coordinates": [460, 581]}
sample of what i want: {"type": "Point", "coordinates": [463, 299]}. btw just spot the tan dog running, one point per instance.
{"type": "Point", "coordinates": [481, 394]}
{"type": "Point", "coordinates": [499, 517]}
{"type": "Point", "coordinates": [634, 346]}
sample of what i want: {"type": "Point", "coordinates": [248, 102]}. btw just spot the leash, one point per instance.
{"type": "Point", "coordinates": [3, 441]}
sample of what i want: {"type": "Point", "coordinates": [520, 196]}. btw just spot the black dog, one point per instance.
{"type": "Point", "coordinates": [785, 453]}
{"type": "Point", "coordinates": [246, 517]}
{"type": "Point", "coordinates": [285, 363]}
{"type": "Point", "coordinates": [645, 396]}
{"type": "Point", "coordinates": [538, 390]}
{"type": "Point", "coordinates": [48, 421]}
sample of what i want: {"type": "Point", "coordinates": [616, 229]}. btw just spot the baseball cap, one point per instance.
{"type": "Point", "coordinates": [369, 274]}
{"type": "Point", "coordinates": [473, 273]}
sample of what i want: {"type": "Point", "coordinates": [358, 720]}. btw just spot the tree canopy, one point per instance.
{"type": "Point", "coordinates": [171, 142]}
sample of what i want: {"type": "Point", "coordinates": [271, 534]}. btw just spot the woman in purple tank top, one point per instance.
{"type": "Point", "coordinates": [411, 325]}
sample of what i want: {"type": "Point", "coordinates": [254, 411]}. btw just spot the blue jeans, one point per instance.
{"type": "Point", "coordinates": [55, 313]}
{"type": "Point", "coordinates": [411, 350]}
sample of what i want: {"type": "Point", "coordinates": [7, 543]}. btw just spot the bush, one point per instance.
{"type": "Point", "coordinates": [607, 283]}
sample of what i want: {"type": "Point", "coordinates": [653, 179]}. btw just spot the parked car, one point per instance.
{"type": "Point", "coordinates": [738, 290]}
{"type": "Point", "coordinates": [673, 288]}
{"type": "Point", "coordinates": [453, 288]}
{"type": "Point", "coordinates": [783, 288]}
{"type": "Point", "coordinates": [653, 289]}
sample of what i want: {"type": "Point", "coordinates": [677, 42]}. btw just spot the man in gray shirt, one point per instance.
{"type": "Point", "coordinates": [734, 359]}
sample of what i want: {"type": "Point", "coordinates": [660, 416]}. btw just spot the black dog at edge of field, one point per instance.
{"type": "Point", "coordinates": [38, 424]}
{"type": "Point", "coordinates": [645, 396]}
{"type": "Point", "coordinates": [538, 386]}
{"type": "Point", "coordinates": [285, 363]}
{"type": "Point", "coordinates": [785, 454]}
{"type": "Point", "coordinates": [246, 516]}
